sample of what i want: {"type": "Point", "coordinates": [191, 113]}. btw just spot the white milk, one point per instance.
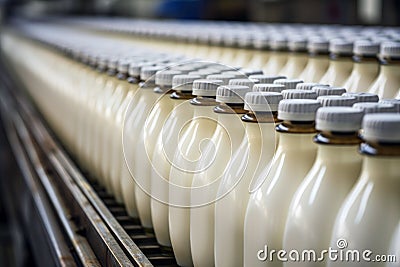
{"type": "Point", "coordinates": [254, 153]}
{"type": "Point", "coordinates": [370, 212]}
{"type": "Point", "coordinates": [317, 200]}
{"type": "Point", "coordinates": [217, 154]}
{"type": "Point", "coordinates": [273, 190]}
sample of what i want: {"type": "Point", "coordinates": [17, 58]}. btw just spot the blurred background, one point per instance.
{"type": "Point", "coordinates": [364, 12]}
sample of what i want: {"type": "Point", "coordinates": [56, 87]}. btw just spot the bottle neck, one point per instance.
{"type": "Point", "coordinates": [261, 117]}
{"type": "Point", "coordinates": [204, 101]}
{"type": "Point", "coordinates": [294, 135]}
{"type": "Point", "coordinates": [230, 108]}
{"type": "Point", "coordinates": [337, 138]}
{"type": "Point", "coordinates": [181, 95]}
{"type": "Point", "coordinates": [146, 84]}
{"type": "Point", "coordinates": [376, 149]}
{"type": "Point", "coordinates": [371, 66]}
{"type": "Point", "coordinates": [340, 57]}
{"type": "Point", "coordinates": [390, 70]}
{"type": "Point", "coordinates": [296, 127]}
{"type": "Point", "coordinates": [365, 59]}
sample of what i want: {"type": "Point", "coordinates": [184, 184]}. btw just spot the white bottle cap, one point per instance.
{"type": "Point", "coordinates": [223, 77]}
{"type": "Point", "coordinates": [184, 82]}
{"type": "Point", "coordinates": [261, 42]}
{"type": "Point", "coordinates": [289, 83]}
{"type": "Point", "coordinates": [185, 68]}
{"type": "Point", "coordinates": [338, 119]}
{"type": "Point", "coordinates": [268, 87]}
{"type": "Point", "coordinates": [197, 73]}
{"type": "Point", "coordinates": [247, 82]}
{"type": "Point", "coordinates": [363, 97]}
{"type": "Point", "coordinates": [112, 63]}
{"type": "Point", "coordinates": [206, 87]}
{"type": "Point", "coordinates": [262, 78]}
{"type": "Point", "coordinates": [382, 127]}
{"type": "Point", "coordinates": [395, 102]}
{"type": "Point", "coordinates": [336, 101]}
{"type": "Point", "coordinates": [327, 90]}
{"type": "Point", "coordinates": [235, 73]}
{"type": "Point", "coordinates": [249, 72]}
{"type": "Point", "coordinates": [298, 94]}
{"type": "Point", "coordinates": [149, 72]}
{"type": "Point", "coordinates": [278, 43]}
{"type": "Point", "coordinates": [318, 45]}
{"type": "Point", "coordinates": [373, 107]}
{"type": "Point", "coordinates": [390, 49]}
{"type": "Point", "coordinates": [308, 86]}
{"type": "Point", "coordinates": [297, 44]}
{"type": "Point", "coordinates": [341, 46]}
{"type": "Point", "coordinates": [232, 93]}
{"type": "Point", "coordinates": [123, 66]}
{"type": "Point", "coordinates": [298, 109]}
{"type": "Point", "coordinates": [135, 68]}
{"type": "Point", "coordinates": [365, 48]}
{"type": "Point", "coordinates": [262, 101]}
{"type": "Point", "coordinates": [164, 77]}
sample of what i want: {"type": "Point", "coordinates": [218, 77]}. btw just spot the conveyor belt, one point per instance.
{"type": "Point", "coordinates": [97, 229]}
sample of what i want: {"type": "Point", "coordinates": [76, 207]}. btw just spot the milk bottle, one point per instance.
{"type": "Point", "coordinates": [317, 200]}
{"type": "Point", "coordinates": [387, 84]}
{"type": "Point", "coordinates": [135, 117]}
{"type": "Point", "coordinates": [271, 194]}
{"type": "Point", "coordinates": [297, 58]}
{"type": "Point", "coordinates": [254, 153]}
{"type": "Point", "coordinates": [375, 195]}
{"type": "Point", "coordinates": [277, 57]}
{"type": "Point", "coordinates": [187, 154]}
{"type": "Point", "coordinates": [318, 60]}
{"type": "Point", "coordinates": [218, 152]}
{"type": "Point", "coordinates": [150, 126]}
{"type": "Point", "coordinates": [340, 64]}
{"type": "Point", "coordinates": [365, 66]}
{"type": "Point", "coordinates": [164, 150]}
{"type": "Point", "coordinates": [261, 53]}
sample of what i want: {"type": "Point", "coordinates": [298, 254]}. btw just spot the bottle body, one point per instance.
{"type": "Point", "coordinates": [362, 76]}
{"type": "Point", "coordinates": [228, 134]}
{"type": "Point", "coordinates": [316, 202]}
{"type": "Point", "coordinates": [293, 159]}
{"type": "Point", "coordinates": [254, 153]}
{"type": "Point", "coordinates": [188, 153]}
{"type": "Point", "coordinates": [374, 196]}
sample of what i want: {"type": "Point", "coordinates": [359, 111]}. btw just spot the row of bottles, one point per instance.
{"type": "Point", "coordinates": [218, 161]}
